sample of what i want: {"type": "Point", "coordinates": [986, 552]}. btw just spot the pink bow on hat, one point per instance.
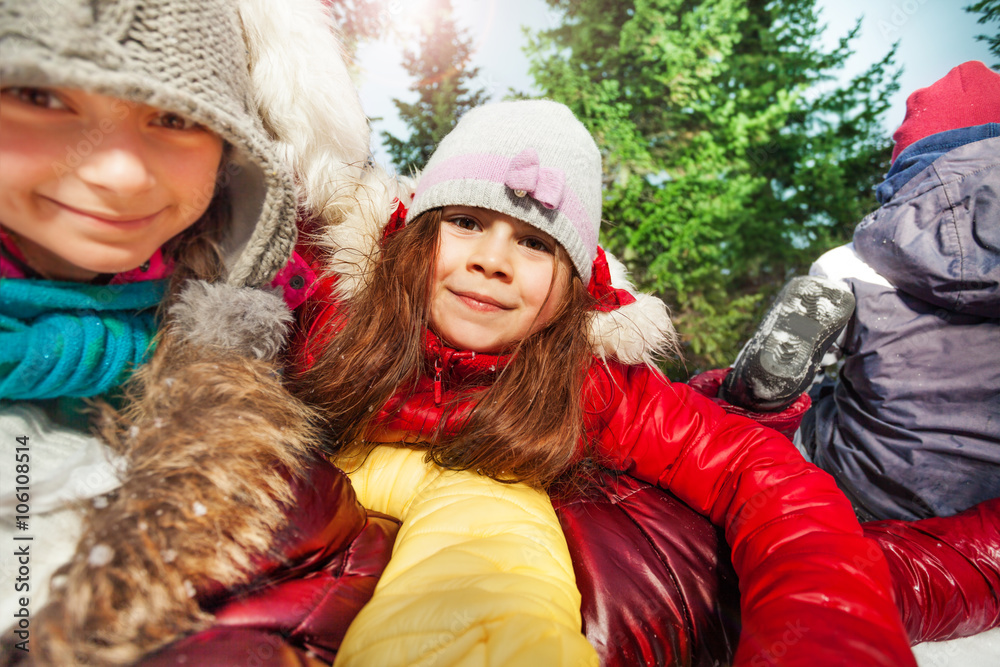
{"type": "Point", "coordinates": [545, 184]}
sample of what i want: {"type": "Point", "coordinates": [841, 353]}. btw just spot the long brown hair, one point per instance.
{"type": "Point", "coordinates": [526, 427]}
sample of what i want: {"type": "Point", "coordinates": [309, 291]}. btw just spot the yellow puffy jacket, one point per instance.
{"type": "Point", "coordinates": [460, 590]}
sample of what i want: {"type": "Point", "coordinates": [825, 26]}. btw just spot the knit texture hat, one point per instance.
{"type": "Point", "coordinates": [530, 159]}
{"type": "Point", "coordinates": [185, 56]}
{"type": "Point", "coordinates": [967, 96]}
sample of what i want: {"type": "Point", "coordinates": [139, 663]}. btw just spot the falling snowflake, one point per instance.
{"type": "Point", "coordinates": [100, 555]}
{"type": "Point", "coordinates": [199, 509]}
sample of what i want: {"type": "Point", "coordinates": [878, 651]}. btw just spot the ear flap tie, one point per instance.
{"type": "Point", "coordinates": [607, 296]}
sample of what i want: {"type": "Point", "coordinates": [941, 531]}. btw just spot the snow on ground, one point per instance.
{"type": "Point", "coordinates": [982, 650]}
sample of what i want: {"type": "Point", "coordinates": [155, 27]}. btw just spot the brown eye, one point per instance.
{"type": "Point", "coordinates": [465, 223]}
{"type": "Point", "coordinates": [37, 97]}
{"type": "Point", "coordinates": [533, 243]}
{"type": "Point", "coordinates": [173, 121]}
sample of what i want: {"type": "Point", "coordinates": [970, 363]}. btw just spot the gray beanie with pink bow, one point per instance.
{"type": "Point", "coordinates": [530, 159]}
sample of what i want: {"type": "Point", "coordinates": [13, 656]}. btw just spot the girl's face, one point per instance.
{"type": "Point", "coordinates": [92, 184]}
{"type": "Point", "coordinates": [497, 280]}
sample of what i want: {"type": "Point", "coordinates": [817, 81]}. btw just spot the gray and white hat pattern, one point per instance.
{"type": "Point", "coordinates": [530, 159]}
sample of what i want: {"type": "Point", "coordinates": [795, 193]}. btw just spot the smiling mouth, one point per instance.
{"type": "Point", "coordinates": [480, 302]}
{"type": "Point", "coordinates": [111, 219]}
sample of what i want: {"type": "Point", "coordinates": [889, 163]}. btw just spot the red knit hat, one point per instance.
{"type": "Point", "coordinates": [966, 96]}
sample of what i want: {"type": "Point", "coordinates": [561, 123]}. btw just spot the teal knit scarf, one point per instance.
{"type": "Point", "coordinates": [73, 339]}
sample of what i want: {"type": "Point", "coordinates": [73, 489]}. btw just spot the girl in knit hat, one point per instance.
{"type": "Point", "coordinates": [485, 331]}
{"type": "Point", "coordinates": [145, 144]}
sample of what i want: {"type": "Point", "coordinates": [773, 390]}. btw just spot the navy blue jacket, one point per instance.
{"type": "Point", "coordinates": [912, 428]}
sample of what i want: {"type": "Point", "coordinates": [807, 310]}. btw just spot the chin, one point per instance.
{"type": "Point", "coordinates": [116, 263]}
{"type": "Point", "coordinates": [470, 344]}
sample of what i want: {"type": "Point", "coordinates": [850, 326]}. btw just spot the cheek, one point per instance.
{"type": "Point", "coordinates": [29, 157]}
{"type": "Point", "coordinates": [560, 289]}
{"type": "Point", "coordinates": [545, 280]}
{"type": "Point", "coordinates": [192, 173]}
{"type": "Point", "coordinates": [450, 261]}
{"type": "Point", "coordinates": [438, 273]}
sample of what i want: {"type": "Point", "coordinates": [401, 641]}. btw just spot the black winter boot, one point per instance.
{"type": "Point", "coordinates": [782, 358]}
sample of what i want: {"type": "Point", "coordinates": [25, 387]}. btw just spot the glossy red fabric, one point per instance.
{"type": "Point", "coordinates": [795, 542]}
{"type": "Point", "coordinates": [946, 571]}
{"type": "Point", "coordinates": [657, 588]}
{"type": "Point", "coordinates": [785, 422]}
{"type": "Point", "coordinates": [221, 646]}
{"type": "Point", "coordinates": [657, 585]}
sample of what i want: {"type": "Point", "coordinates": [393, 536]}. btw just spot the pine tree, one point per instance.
{"type": "Point", "coordinates": [444, 87]}
{"type": "Point", "coordinates": [990, 10]}
{"type": "Point", "coordinates": [732, 158]}
{"type": "Point", "coordinates": [359, 20]}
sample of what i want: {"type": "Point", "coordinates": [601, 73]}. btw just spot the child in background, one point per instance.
{"type": "Point", "coordinates": [488, 334]}
{"type": "Point", "coordinates": [910, 428]}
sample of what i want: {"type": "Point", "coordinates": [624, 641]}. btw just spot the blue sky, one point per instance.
{"type": "Point", "coordinates": [934, 36]}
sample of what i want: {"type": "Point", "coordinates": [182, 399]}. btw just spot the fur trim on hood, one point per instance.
{"type": "Point", "coordinates": [638, 333]}
{"type": "Point", "coordinates": [310, 108]}
{"type": "Point", "coordinates": [307, 100]}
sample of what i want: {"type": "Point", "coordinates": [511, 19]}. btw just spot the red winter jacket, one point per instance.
{"type": "Point", "coordinates": [674, 600]}
{"type": "Point", "coordinates": [808, 578]}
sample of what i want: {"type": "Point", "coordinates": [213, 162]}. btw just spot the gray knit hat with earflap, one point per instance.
{"type": "Point", "coordinates": [530, 159]}
{"type": "Point", "coordinates": [184, 56]}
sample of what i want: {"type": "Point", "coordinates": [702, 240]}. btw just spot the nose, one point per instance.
{"type": "Point", "coordinates": [117, 161]}
{"type": "Point", "coordinates": [491, 255]}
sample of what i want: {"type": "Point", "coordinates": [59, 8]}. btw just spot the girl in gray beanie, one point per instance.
{"type": "Point", "coordinates": [487, 331]}
{"type": "Point", "coordinates": [155, 156]}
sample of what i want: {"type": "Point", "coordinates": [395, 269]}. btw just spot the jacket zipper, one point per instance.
{"type": "Point", "coordinates": [445, 359]}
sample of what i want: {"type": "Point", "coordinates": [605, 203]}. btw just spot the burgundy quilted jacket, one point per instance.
{"type": "Point", "coordinates": [322, 569]}
{"type": "Point", "coordinates": [654, 574]}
